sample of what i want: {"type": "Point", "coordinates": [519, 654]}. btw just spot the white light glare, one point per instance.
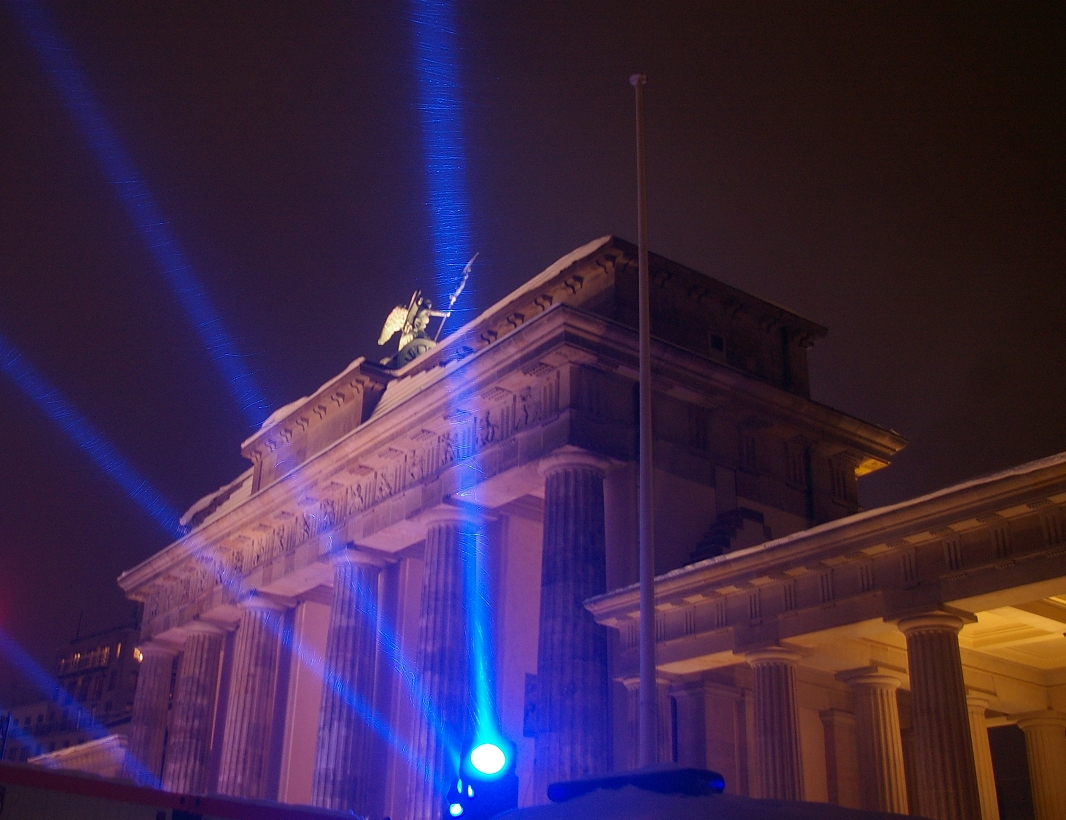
{"type": "Point", "coordinates": [455, 809]}
{"type": "Point", "coordinates": [488, 758]}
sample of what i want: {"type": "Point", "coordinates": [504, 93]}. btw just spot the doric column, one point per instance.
{"type": "Point", "coordinates": [666, 722]}
{"type": "Point", "coordinates": [189, 742]}
{"type": "Point", "coordinates": [342, 745]}
{"type": "Point", "coordinates": [1045, 744]}
{"type": "Point", "coordinates": [943, 750]}
{"type": "Point", "coordinates": [250, 712]}
{"type": "Point", "coordinates": [148, 724]}
{"type": "Point", "coordinates": [665, 744]}
{"type": "Point", "coordinates": [630, 747]}
{"type": "Point", "coordinates": [690, 699]}
{"type": "Point", "coordinates": [776, 723]}
{"type": "Point", "coordinates": [572, 738]}
{"type": "Point", "coordinates": [982, 757]}
{"type": "Point", "coordinates": [443, 659]}
{"type": "Point", "coordinates": [841, 772]}
{"type": "Point", "coordinates": [882, 777]}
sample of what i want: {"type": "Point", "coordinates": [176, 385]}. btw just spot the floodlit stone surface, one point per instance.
{"type": "Point", "coordinates": [189, 741]}
{"type": "Point", "coordinates": [524, 421]}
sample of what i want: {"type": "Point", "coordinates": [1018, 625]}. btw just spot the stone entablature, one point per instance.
{"type": "Point", "coordinates": [299, 430]}
{"type": "Point", "coordinates": [265, 517]}
{"type": "Point", "coordinates": [993, 542]}
{"type": "Point", "coordinates": [690, 310]}
{"type": "Point", "coordinates": [545, 385]}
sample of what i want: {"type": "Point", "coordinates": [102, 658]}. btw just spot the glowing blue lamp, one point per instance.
{"type": "Point", "coordinates": [486, 784]}
{"type": "Point", "coordinates": [488, 759]}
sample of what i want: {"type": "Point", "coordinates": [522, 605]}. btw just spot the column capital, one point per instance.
{"type": "Point", "coordinates": [1045, 717]}
{"type": "Point", "coordinates": [351, 554]}
{"type": "Point", "coordinates": [570, 457]}
{"type": "Point", "coordinates": [869, 676]}
{"type": "Point", "coordinates": [977, 701]}
{"type": "Point", "coordinates": [772, 654]}
{"type": "Point", "coordinates": [459, 515]}
{"type": "Point", "coordinates": [157, 649]}
{"type": "Point", "coordinates": [937, 621]}
{"type": "Point", "coordinates": [257, 600]}
{"type": "Point", "coordinates": [203, 628]}
{"type": "Point", "coordinates": [832, 714]}
{"type": "Point", "coordinates": [687, 688]}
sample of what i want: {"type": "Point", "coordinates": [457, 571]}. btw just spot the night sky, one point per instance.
{"type": "Point", "coordinates": [894, 172]}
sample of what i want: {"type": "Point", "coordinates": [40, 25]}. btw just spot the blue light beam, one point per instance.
{"type": "Point", "coordinates": [479, 625]}
{"type": "Point", "coordinates": [66, 416]}
{"type": "Point", "coordinates": [440, 106]}
{"type": "Point", "coordinates": [133, 193]}
{"type": "Point", "coordinates": [50, 690]}
{"type": "Point", "coordinates": [34, 386]}
{"type": "Point", "coordinates": [392, 654]}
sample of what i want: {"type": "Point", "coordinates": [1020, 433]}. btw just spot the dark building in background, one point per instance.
{"type": "Point", "coordinates": [97, 676]}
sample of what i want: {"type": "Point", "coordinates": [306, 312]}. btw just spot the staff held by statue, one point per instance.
{"type": "Point", "coordinates": [412, 322]}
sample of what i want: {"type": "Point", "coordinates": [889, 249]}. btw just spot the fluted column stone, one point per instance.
{"type": "Point", "coordinates": [943, 749]}
{"type": "Point", "coordinates": [148, 723]}
{"type": "Point", "coordinates": [841, 773]}
{"type": "Point", "coordinates": [443, 658]}
{"type": "Point", "coordinates": [1045, 745]}
{"type": "Point", "coordinates": [882, 777]}
{"type": "Point", "coordinates": [189, 742]}
{"type": "Point", "coordinates": [776, 723]}
{"type": "Point", "coordinates": [572, 739]}
{"type": "Point", "coordinates": [631, 746]}
{"type": "Point", "coordinates": [342, 746]}
{"type": "Point", "coordinates": [250, 712]}
{"type": "Point", "coordinates": [982, 757]}
{"type": "Point", "coordinates": [665, 744]}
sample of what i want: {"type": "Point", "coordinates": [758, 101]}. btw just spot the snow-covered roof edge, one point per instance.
{"type": "Point", "coordinates": [225, 492]}
{"type": "Point", "coordinates": [1057, 460]}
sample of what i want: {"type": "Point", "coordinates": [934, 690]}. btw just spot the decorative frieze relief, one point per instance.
{"type": "Point", "coordinates": [464, 433]}
{"type": "Point", "coordinates": [378, 479]}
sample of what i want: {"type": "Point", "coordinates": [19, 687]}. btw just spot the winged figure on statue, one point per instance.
{"type": "Point", "coordinates": [412, 323]}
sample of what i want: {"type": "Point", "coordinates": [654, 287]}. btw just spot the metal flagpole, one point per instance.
{"type": "Point", "coordinates": [649, 723]}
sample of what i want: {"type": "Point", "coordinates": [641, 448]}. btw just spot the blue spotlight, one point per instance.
{"type": "Point", "coordinates": [139, 204]}
{"type": "Point", "coordinates": [373, 720]}
{"type": "Point", "coordinates": [488, 759]}
{"type": "Point", "coordinates": [94, 445]}
{"type": "Point", "coordinates": [440, 104]}
{"type": "Point", "coordinates": [487, 783]}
